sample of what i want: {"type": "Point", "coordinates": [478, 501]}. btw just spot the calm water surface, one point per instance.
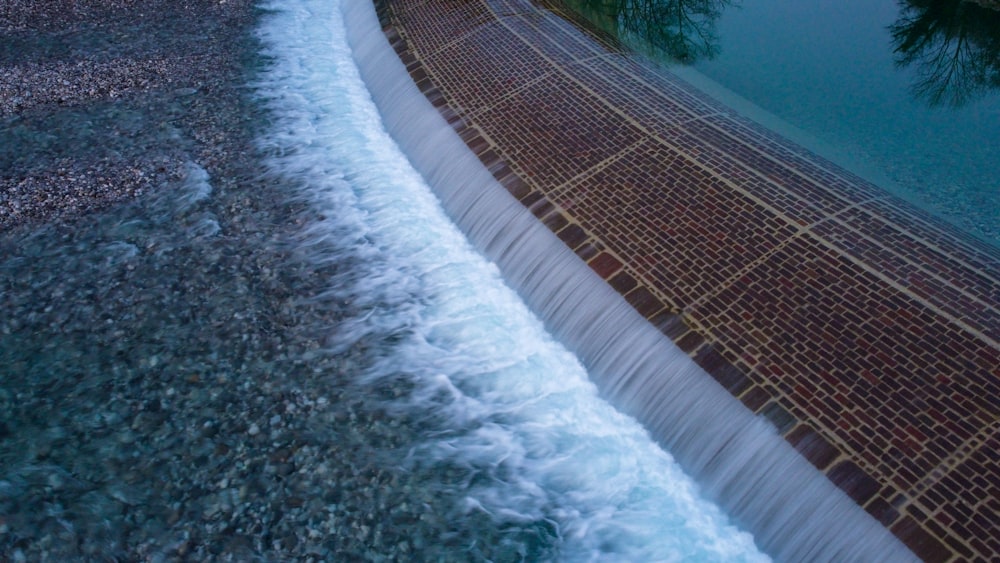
{"type": "Point", "coordinates": [904, 92]}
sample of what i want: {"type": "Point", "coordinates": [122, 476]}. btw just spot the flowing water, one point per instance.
{"type": "Point", "coordinates": [313, 363]}
{"type": "Point", "coordinates": [336, 374]}
{"type": "Point", "coordinates": [738, 459]}
{"type": "Point", "coordinates": [507, 416]}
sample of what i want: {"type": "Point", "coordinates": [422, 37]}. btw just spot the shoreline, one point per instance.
{"type": "Point", "coordinates": [105, 100]}
{"type": "Point", "coordinates": [165, 395]}
{"type": "Point", "coordinates": [134, 126]}
{"type": "Point", "coordinates": [862, 328]}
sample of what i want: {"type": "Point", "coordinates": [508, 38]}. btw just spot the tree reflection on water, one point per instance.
{"type": "Point", "coordinates": [684, 30]}
{"type": "Point", "coordinates": [953, 45]}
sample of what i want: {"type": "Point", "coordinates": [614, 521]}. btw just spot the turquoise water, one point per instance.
{"type": "Point", "coordinates": [185, 378]}
{"type": "Point", "coordinates": [182, 378]}
{"type": "Point", "coordinates": [738, 459]}
{"type": "Point", "coordinates": [833, 71]}
{"type": "Point", "coordinates": [509, 422]}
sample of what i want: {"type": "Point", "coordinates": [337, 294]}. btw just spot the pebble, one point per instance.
{"type": "Point", "coordinates": [134, 381]}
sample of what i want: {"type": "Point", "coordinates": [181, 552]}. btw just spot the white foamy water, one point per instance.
{"type": "Point", "coordinates": [511, 408]}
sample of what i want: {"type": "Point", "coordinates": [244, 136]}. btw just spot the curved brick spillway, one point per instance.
{"type": "Point", "coordinates": [866, 331]}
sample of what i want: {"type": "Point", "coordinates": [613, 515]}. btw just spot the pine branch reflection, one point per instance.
{"type": "Point", "coordinates": [684, 30]}
{"type": "Point", "coordinates": [953, 46]}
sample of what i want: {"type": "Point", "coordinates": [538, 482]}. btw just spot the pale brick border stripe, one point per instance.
{"type": "Point", "coordinates": [866, 331]}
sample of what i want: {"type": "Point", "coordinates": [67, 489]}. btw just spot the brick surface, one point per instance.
{"type": "Point", "coordinates": [864, 329]}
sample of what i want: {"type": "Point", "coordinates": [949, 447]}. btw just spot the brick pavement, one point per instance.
{"type": "Point", "coordinates": [866, 330]}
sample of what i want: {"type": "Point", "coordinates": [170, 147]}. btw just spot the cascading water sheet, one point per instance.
{"type": "Point", "coordinates": [520, 455]}
{"type": "Point", "coordinates": [794, 511]}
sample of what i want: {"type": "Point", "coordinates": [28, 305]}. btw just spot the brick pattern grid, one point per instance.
{"type": "Point", "coordinates": [864, 329]}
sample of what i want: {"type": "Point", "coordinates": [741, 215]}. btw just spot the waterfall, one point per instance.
{"type": "Point", "coordinates": [793, 510]}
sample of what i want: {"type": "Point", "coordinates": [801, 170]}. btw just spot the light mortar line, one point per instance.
{"type": "Point", "coordinates": [612, 59]}
{"type": "Point", "coordinates": [777, 395]}
{"type": "Point", "coordinates": [820, 164]}
{"type": "Point", "coordinates": [946, 466]}
{"type": "Point", "coordinates": [598, 57]}
{"type": "Point", "coordinates": [459, 38]}
{"type": "Point", "coordinates": [640, 126]}
{"type": "Point", "coordinates": [567, 184]}
{"type": "Point", "coordinates": [858, 205]}
{"type": "Point", "coordinates": [852, 204]}
{"type": "Point", "coordinates": [444, 47]}
{"type": "Point", "coordinates": [829, 245]}
{"type": "Point", "coordinates": [508, 94]}
{"type": "Point", "coordinates": [746, 269]}
{"type": "Point", "coordinates": [952, 318]}
{"type": "Point", "coordinates": [838, 219]}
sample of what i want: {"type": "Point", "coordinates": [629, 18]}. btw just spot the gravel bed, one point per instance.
{"type": "Point", "coordinates": [92, 91]}
{"type": "Point", "coordinates": [165, 393]}
{"type": "Point", "coordinates": [27, 86]}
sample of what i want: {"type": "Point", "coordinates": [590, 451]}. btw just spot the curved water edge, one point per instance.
{"type": "Point", "coordinates": [918, 123]}
{"type": "Point", "coordinates": [509, 451]}
{"type": "Point", "coordinates": [794, 512]}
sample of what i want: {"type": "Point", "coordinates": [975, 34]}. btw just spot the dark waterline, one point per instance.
{"type": "Point", "coordinates": [167, 388]}
{"type": "Point", "coordinates": [233, 367]}
{"type": "Point", "coordinates": [836, 73]}
{"type": "Point", "coordinates": [793, 511]}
